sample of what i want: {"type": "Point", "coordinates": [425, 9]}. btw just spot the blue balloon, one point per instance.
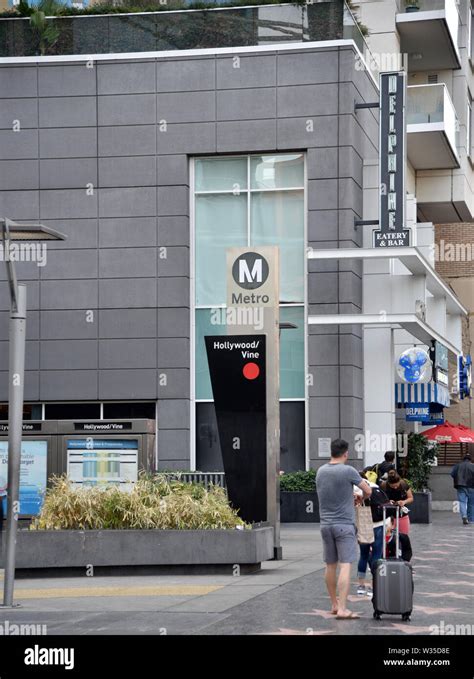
{"type": "Point", "coordinates": [412, 365]}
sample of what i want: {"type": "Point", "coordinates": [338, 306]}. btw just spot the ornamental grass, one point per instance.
{"type": "Point", "coordinates": [154, 502]}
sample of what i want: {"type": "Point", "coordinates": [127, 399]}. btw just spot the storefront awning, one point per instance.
{"type": "Point", "coordinates": [431, 392]}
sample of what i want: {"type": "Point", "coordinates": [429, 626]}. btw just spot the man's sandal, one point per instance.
{"type": "Point", "coordinates": [351, 616]}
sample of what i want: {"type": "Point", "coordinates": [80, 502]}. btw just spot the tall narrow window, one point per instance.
{"type": "Point", "coordinates": [249, 201]}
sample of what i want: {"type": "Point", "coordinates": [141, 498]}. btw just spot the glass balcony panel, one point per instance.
{"type": "Point", "coordinates": [425, 104]}
{"type": "Point", "coordinates": [431, 125]}
{"type": "Point", "coordinates": [178, 29]}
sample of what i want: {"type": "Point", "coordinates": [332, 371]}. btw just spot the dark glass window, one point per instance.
{"type": "Point", "coordinates": [31, 411]}
{"type": "Point", "coordinates": [208, 448]}
{"type": "Point", "coordinates": [72, 411]}
{"type": "Point", "coordinates": [292, 437]}
{"type": "Point", "coordinates": [136, 411]}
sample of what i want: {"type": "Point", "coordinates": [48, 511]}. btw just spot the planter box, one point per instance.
{"type": "Point", "coordinates": [76, 548]}
{"type": "Point", "coordinates": [420, 509]}
{"type": "Point", "coordinates": [294, 507]}
{"type": "Point", "coordinates": [299, 507]}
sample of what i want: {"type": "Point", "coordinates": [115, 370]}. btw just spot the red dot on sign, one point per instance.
{"type": "Point", "coordinates": [251, 371]}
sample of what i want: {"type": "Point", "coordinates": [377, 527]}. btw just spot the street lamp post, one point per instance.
{"type": "Point", "coordinates": [11, 231]}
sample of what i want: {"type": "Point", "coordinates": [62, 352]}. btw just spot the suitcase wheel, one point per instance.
{"type": "Point", "coordinates": [377, 615]}
{"type": "Point", "coordinates": [406, 617]}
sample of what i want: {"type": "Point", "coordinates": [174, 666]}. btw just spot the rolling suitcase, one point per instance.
{"type": "Point", "coordinates": [392, 582]}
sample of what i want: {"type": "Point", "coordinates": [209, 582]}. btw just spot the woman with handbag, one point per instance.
{"type": "Point", "coordinates": [370, 549]}
{"type": "Point", "coordinates": [399, 493]}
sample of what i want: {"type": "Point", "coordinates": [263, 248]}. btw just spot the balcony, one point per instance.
{"type": "Point", "coordinates": [431, 128]}
{"type": "Point", "coordinates": [430, 35]}
{"type": "Point", "coordinates": [177, 29]}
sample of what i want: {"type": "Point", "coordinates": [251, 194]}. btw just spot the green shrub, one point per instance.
{"type": "Point", "coordinates": [133, 6]}
{"type": "Point", "coordinates": [299, 481]}
{"type": "Point", "coordinates": [416, 466]}
{"type": "Point", "coordinates": [153, 502]}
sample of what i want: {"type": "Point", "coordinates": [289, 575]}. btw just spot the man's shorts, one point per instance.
{"type": "Point", "coordinates": [340, 543]}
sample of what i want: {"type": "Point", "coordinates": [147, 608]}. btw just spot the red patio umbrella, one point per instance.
{"type": "Point", "coordinates": [450, 433]}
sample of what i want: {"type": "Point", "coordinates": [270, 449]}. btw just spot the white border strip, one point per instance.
{"type": "Point", "coordinates": [166, 54]}
{"type": "Point", "coordinates": [184, 54]}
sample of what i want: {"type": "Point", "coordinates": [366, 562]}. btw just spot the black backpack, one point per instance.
{"type": "Point", "coordinates": [377, 500]}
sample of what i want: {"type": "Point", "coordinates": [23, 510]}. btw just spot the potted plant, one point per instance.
{"type": "Point", "coordinates": [362, 27]}
{"type": "Point", "coordinates": [298, 497]}
{"type": "Point", "coordinates": [412, 5]}
{"type": "Point", "coordinates": [416, 469]}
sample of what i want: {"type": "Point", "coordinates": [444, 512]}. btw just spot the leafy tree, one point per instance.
{"type": "Point", "coordinates": [45, 31]}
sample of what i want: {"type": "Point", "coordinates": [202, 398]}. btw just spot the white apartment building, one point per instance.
{"type": "Point", "coordinates": [432, 41]}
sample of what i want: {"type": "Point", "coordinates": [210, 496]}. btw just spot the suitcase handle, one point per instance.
{"type": "Point", "coordinates": [397, 538]}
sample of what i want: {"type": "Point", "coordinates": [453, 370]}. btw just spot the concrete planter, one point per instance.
{"type": "Point", "coordinates": [420, 509]}
{"type": "Point", "coordinates": [295, 507]}
{"type": "Point", "coordinates": [299, 507]}
{"type": "Point", "coordinates": [110, 548]}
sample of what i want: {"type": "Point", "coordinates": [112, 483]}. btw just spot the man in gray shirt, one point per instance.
{"type": "Point", "coordinates": [334, 484]}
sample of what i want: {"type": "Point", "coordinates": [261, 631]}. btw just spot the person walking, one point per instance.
{"type": "Point", "coordinates": [399, 493]}
{"type": "Point", "coordinates": [334, 485]}
{"type": "Point", "coordinates": [463, 476]}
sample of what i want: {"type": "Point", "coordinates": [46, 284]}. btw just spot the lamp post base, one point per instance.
{"type": "Point", "coordinates": [12, 606]}
{"type": "Point", "coordinates": [277, 553]}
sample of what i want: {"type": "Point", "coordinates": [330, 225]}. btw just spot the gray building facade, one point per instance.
{"type": "Point", "coordinates": [102, 149]}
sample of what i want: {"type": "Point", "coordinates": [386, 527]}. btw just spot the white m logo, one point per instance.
{"type": "Point", "coordinates": [245, 275]}
{"type": "Point", "coordinates": [250, 270]}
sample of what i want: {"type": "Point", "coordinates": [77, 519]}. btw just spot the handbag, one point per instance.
{"type": "Point", "coordinates": [365, 525]}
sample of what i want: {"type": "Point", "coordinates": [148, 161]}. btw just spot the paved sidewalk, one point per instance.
{"type": "Point", "coordinates": [286, 597]}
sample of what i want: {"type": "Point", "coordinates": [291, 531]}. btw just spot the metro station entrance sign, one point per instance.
{"type": "Point", "coordinates": [244, 368]}
{"type": "Point", "coordinates": [238, 378]}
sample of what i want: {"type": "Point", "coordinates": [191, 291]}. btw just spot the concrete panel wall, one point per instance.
{"type": "Point", "coordinates": [102, 154]}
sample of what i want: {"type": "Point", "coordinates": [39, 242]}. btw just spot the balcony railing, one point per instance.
{"type": "Point", "coordinates": [207, 479]}
{"type": "Point", "coordinates": [430, 111]}
{"type": "Point", "coordinates": [451, 13]}
{"type": "Point", "coordinates": [185, 29]}
{"type": "Point", "coordinates": [430, 35]}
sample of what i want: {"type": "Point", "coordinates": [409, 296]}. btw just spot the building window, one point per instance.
{"type": "Point", "coordinates": [31, 411]}
{"type": "Point", "coordinates": [132, 411]}
{"type": "Point", "coordinates": [72, 411]}
{"type": "Point", "coordinates": [240, 201]}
